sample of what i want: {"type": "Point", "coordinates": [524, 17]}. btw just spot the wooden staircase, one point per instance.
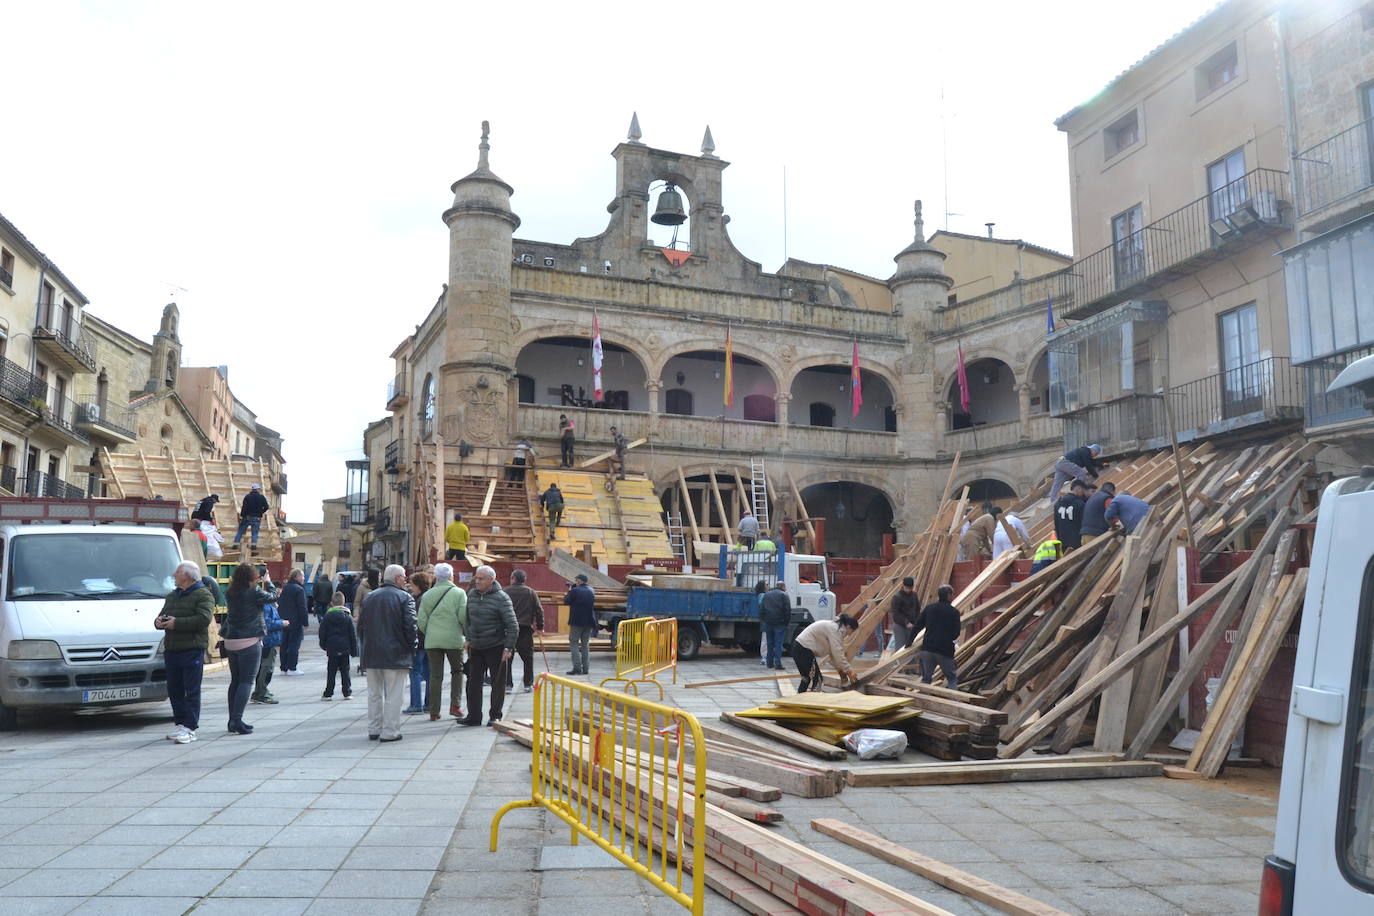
{"type": "Point", "coordinates": [506, 527]}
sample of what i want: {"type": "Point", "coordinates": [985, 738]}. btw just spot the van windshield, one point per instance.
{"type": "Point", "coordinates": [90, 565]}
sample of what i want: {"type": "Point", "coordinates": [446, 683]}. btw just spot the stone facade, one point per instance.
{"type": "Point", "coordinates": [505, 351]}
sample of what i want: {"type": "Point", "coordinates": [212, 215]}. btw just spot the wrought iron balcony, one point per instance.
{"type": "Point", "coordinates": [381, 522]}
{"type": "Point", "coordinates": [21, 387]}
{"type": "Point", "coordinates": [1340, 406]}
{"type": "Point", "coordinates": [60, 414]}
{"type": "Point", "coordinates": [6, 277]}
{"type": "Point", "coordinates": [1206, 230]}
{"type": "Point", "coordinates": [396, 395]}
{"type": "Point", "coordinates": [1265, 392]}
{"type": "Point", "coordinates": [9, 478]}
{"type": "Point", "coordinates": [279, 483]}
{"type": "Point", "coordinates": [393, 457]}
{"type": "Point", "coordinates": [64, 348]}
{"type": "Point", "coordinates": [36, 483]}
{"type": "Point", "coordinates": [103, 420]}
{"type": "Point", "coordinates": [1336, 169]}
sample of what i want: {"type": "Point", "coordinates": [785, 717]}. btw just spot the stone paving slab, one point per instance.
{"type": "Point", "coordinates": [102, 815]}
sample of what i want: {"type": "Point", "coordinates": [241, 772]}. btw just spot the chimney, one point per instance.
{"type": "Point", "coordinates": [989, 225]}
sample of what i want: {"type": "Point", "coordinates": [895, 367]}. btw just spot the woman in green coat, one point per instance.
{"type": "Point", "coordinates": [443, 620]}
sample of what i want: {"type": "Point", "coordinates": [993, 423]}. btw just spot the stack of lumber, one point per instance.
{"type": "Point", "coordinates": [823, 718]}
{"type": "Point", "coordinates": [1080, 652]}
{"type": "Point", "coordinates": [623, 524]}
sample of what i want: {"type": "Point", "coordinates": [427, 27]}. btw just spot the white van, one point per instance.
{"type": "Point", "coordinates": [77, 604]}
{"type": "Point", "coordinates": [1323, 859]}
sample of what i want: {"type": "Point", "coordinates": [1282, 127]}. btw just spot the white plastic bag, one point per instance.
{"type": "Point", "coordinates": [876, 743]}
{"type": "Point", "coordinates": [212, 540]}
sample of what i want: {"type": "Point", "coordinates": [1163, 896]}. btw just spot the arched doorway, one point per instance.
{"type": "Point", "coordinates": [700, 377]}
{"type": "Point", "coordinates": [820, 387]}
{"type": "Point", "coordinates": [986, 489]}
{"type": "Point", "coordinates": [991, 395]}
{"type": "Point", "coordinates": [856, 517]}
{"type": "Point", "coordinates": [1040, 384]}
{"type": "Point", "coordinates": [559, 370]}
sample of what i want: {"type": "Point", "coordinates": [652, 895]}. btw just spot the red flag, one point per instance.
{"type": "Point", "coordinates": [963, 382]}
{"type": "Point", "coordinates": [856, 386]}
{"type": "Point", "coordinates": [729, 370]}
{"type": "Point", "coordinates": [596, 357]}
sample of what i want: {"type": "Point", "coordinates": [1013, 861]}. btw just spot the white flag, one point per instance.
{"type": "Point", "coordinates": [596, 357]}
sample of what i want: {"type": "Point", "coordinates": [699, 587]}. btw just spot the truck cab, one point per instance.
{"type": "Point", "coordinates": [78, 600]}
{"type": "Point", "coordinates": [805, 577]}
{"type": "Point", "coordinates": [1323, 859]}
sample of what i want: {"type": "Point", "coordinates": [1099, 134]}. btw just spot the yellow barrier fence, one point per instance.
{"type": "Point", "coordinates": [644, 646]}
{"type": "Point", "coordinates": [610, 766]}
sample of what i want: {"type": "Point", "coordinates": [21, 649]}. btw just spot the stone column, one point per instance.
{"type": "Point", "coordinates": [1023, 395]}
{"type": "Point", "coordinates": [653, 386]}
{"type": "Point", "coordinates": [783, 399]}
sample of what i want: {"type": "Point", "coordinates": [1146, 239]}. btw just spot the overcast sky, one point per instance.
{"type": "Point", "coordinates": [279, 169]}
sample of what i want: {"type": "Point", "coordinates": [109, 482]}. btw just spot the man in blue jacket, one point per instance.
{"type": "Point", "coordinates": [581, 602]}
{"type": "Point", "coordinates": [294, 614]}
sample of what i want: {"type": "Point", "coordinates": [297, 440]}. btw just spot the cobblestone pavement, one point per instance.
{"type": "Point", "coordinates": [100, 814]}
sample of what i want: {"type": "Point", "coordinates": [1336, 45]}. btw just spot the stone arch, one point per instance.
{"type": "Point", "coordinates": [631, 343]}
{"type": "Point", "coordinates": [561, 363]}
{"type": "Point", "coordinates": [1036, 374]}
{"type": "Point", "coordinates": [857, 513]}
{"type": "Point", "coordinates": [985, 484]}
{"type": "Point", "coordinates": [992, 394]}
{"type": "Point", "coordinates": [808, 384]}
{"type": "Point", "coordinates": [662, 236]}
{"type": "Point", "coordinates": [716, 344]}
{"type": "Point", "coordinates": [949, 367]}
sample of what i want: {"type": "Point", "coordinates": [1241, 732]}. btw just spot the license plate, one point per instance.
{"type": "Point", "coordinates": [113, 693]}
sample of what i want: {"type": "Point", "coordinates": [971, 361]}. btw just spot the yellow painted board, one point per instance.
{"type": "Point", "coordinates": [845, 701]}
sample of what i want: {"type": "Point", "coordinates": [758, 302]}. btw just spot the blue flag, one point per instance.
{"type": "Point", "coordinates": [1049, 315]}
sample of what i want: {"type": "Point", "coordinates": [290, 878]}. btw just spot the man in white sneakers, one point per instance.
{"type": "Point", "coordinates": [185, 619]}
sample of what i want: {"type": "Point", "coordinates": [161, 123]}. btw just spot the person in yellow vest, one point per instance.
{"type": "Point", "coordinates": [456, 537]}
{"type": "Point", "coordinates": [764, 543]}
{"type": "Point", "coordinates": [1047, 553]}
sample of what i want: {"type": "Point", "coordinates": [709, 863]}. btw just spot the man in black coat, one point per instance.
{"type": "Point", "coordinates": [387, 629]}
{"type": "Point", "coordinates": [205, 509]}
{"type": "Point", "coordinates": [321, 594]}
{"type": "Point", "coordinates": [1068, 516]}
{"type": "Point", "coordinates": [291, 606]}
{"type": "Point", "coordinates": [774, 613]}
{"type": "Point", "coordinates": [941, 623]}
{"type": "Point", "coordinates": [250, 515]}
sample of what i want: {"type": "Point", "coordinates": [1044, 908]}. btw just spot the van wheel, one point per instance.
{"type": "Point", "coordinates": [9, 718]}
{"type": "Point", "coordinates": [688, 644]}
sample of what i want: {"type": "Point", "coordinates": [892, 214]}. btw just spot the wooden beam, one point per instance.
{"type": "Point", "coordinates": [720, 507]}
{"type": "Point", "coordinates": [114, 475]}
{"type": "Point", "coordinates": [491, 491]}
{"type": "Point", "coordinates": [1003, 899]}
{"type": "Point", "coordinates": [691, 512]}
{"type": "Point", "coordinates": [802, 514]}
{"type": "Point", "coordinates": [611, 454]}
{"type": "Point", "coordinates": [1005, 771]}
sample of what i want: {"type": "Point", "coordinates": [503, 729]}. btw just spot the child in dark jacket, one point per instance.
{"type": "Point", "coordinates": [339, 641]}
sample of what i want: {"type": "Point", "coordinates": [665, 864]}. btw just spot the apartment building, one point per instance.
{"type": "Point", "coordinates": [1181, 202]}
{"type": "Point", "coordinates": [1330, 268]}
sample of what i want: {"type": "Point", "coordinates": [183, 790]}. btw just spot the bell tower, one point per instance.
{"type": "Point", "coordinates": [479, 360]}
{"type": "Point", "coordinates": [166, 359]}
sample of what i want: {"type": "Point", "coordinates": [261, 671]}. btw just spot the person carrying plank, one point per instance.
{"type": "Point", "coordinates": [822, 640]}
{"type": "Point", "coordinates": [977, 539]}
{"type": "Point", "coordinates": [620, 445]}
{"type": "Point", "coordinates": [1078, 463]}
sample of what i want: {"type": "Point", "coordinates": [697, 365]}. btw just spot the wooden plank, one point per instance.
{"type": "Point", "coordinates": [1003, 899]}
{"type": "Point", "coordinates": [802, 513]}
{"type": "Point", "coordinates": [569, 567]}
{"type": "Point", "coordinates": [1249, 677]}
{"type": "Point", "coordinates": [1003, 771]}
{"type": "Point", "coordinates": [1112, 709]}
{"type": "Point", "coordinates": [491, 491]}
{"type": "Point", "coordinates": [114, 475]}
{"type": "Point", "coordinates": [720, 507]}
{"type": "Point", "coordinates": [611, 454]}
{"type": "Point", "coordinates": [786, 736]}
{"type": "Point", "coordinates": [691, 512]}
{"type": "Point", "coordinates": [1148, 681]}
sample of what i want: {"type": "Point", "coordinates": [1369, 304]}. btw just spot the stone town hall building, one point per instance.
{"type": "Point", "coordinates": [506, 349]}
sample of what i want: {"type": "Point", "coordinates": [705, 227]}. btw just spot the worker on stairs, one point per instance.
{"type": "Point", "coordinates": [551, 501]}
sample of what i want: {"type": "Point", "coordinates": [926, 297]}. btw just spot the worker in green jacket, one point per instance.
{"type": "Point", "coordinates": [185, 621]}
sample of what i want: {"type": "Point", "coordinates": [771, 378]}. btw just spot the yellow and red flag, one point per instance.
{"type": "Point", "coordinates": [729, 370]}
{"type": "Point", "coordinates": [855, 384]}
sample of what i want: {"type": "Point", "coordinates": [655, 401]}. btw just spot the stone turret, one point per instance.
{"type": "Point", "coordinates": [919, 286]}
{"type": "Point", "coordinates": [166, 358]}
{"type": "Point", "coordinates": [479, 359]}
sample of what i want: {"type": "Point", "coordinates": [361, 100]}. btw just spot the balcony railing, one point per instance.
{"type": "Point", "coordinates": [394, 457]}
{"type": "Point", "coordinates": [396, 395]}
{"type": "Point", "coordinates": [1210, 227]}
{"type": "Point", "coordinates": [996, 436]}
{"type": "Point", "coordinates": [1340, 406]}
{"type": "Point", "coordinates": [1023, 296]}
{"type": "Point", "coordinates": [6, 277]}
{"type": "Point", "coordinates": [65, 343]}
{"type": "Point", "coordinates": [36, 483]}
{"type": "Point", "coordinates": [61, 413]}
{"type": "Point", "coordinates": [1335, 169]}
{"type": "Point", "coordinates": [381, 522]}
{"type": "Point", "coordinates": [21, 387]}
{"type": "Point", "coordinates": [1266, 391]}
{"type": "Point", "coordinates": [102, 416]}
{"type": "Point", "coordinates": [9, 478]}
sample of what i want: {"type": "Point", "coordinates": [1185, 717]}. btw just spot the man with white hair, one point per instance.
{"type": "Point", "coordinates": [387, 627]}
{"type": "Point", "coordinates": [443, 619]}
{"type": "Point", "coordinates": [491, 634]}
{"type": "Point", "coordinates": [185, 619]}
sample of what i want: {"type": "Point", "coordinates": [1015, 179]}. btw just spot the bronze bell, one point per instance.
{"type": "Point", "coordinates": [669, 211]}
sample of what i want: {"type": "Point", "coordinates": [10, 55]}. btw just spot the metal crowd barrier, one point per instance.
{"type": "Point", "coordinates": [644, 646]}
{"type": "Point", "coordinates": [610, 766]}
